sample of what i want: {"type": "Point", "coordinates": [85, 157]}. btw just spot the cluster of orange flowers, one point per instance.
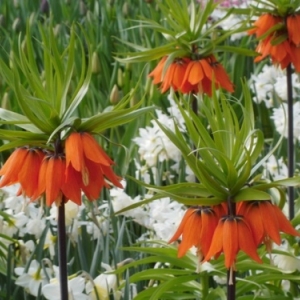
{"type": "Point", "coordinates": [212, 231]}
{"type": "Point", "coordinates": [191, 76]}
{"type": "Point", "coordinates": [82, 167]}
{"type": "Point", "coordinates": [283, 43]}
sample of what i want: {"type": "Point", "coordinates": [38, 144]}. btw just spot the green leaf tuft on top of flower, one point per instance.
{"type": "Point", "coordinates": [188, 61]}
{"type": "Point", "coordinates": [277, 32]}
{"type": "Point", "coordinates": [48, 87]}
{"type": "Point", "coordinates": [57, 154]}
{"type": "Point", "coordinates": [281, 8]}
{"type": "Point", "coordinates": [186, 27]}
{"type": "Point", "coordinates": [42, 77]}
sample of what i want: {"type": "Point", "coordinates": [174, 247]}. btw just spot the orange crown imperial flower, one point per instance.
{"type": "Point", "coordinates": [197, 229]}
{"type": "Point", "coordinates": [186, 75]}
{"type": "Point", "coordinates": [266, 221]}
{"type": "Point", "coordinates": [170, 77]}
{"type": "Point", "coordinates": [85, 157]}
{"type": "Point", "coordinates": [23, 167]}
{"type": "Point", "coordinates": [232, 235]}
{"type": "Point", "coordinates": [61, 176]}
{"type": "Point", "coordinates": [263, 24]}
{"type": "Point", "coordinates": [281, 43]}
{"type": "Point", "coordinates": [52, 181]}
{"type": "Point", "coordinates": [203, 73]}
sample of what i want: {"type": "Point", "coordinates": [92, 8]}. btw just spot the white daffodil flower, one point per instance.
{"type": "Point", "coordinates": [51, 291]}
{"type": "Point", "coordinates": [31, 280]}
{"type": "Point", "coordinates": [103, 285]}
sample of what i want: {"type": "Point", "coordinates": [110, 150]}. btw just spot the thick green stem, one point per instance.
{"type": "Point", "coordinates": [62, 252]}
{"type": "Point", "coordinates": [205, 285]}
{"type": "Point", "coordinates": [291, 152]}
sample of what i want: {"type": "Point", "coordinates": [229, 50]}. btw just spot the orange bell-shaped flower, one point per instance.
{"type": "Point", "coordinates": [23, 167]}
{"type": "Point", "coordinates": [201, 74]}
{"type": "Point", "coordinates": [264, 23]}
{"type": "Point", "coordinates": [232, 235]}
{"type": "Point", "coordinates": [157, 73]}
{"type": "Point", "coordinates": [55, 185]}
{"type": "Point", "coordinates": [85, 156]}
{"type": "Point", "coordinates": [191, 76]}
{"type": "Point", "coordinates": [266, 221]}
{"type": "Point", "coordinates": [278, 39]}
{"type": "Point", "coordinates": [197, 229]}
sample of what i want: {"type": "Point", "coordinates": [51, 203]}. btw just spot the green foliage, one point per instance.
{"type": "Point", "coordinates": [57, 74]}
{"type": "Point", "coordinates": [187, 31]}
{"type": "Point", "coordinates": [180, 279]}
{"type": "Point", "coordinates": [223, 152]}
{"type": "Point", "coordinates": [277, 7]}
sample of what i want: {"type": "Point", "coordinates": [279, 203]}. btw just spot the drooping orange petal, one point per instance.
{"type": "Point", "coordinates": [264, 23]}
{"type": "Point", "coordinates": [182, 224]}
{"type": "Point", "coordinates": [111, 176]}
{"type": "Point", "coordinates": [293, 26]}
{"type": "Point", "coordinates": [96, 181]}
{"type": "Point", "coordinates": [55, 176]}
{"type": "Point", "coordinates": [29, 173]}
{"type": "Point", "coordinates": [93, 151]}
{"type": "Point", "coordinates": [246, 240]}
{"type": "Point", "coordinates": [158, 71]}
{"type": "Point", "coordinates": [177, 79]}
{"type": "Point", "coordinates": [296, 57]}
{"type": "Point", "coordinates": [13, 159]}
{"type": "Point", "coordinates": [168, 77]}
{"type": "Point", "coordinates": [209, 225]}
{"type": "Point", "coordinates": [207, 68]}
{"type": "Point", "coordinates": [205, 86]}
{"type": "Point", "coordinates": [250, 211]}
{"type": "Point", "coordinates": [270, 221]}
{"type": "Point", "coordinates": [179, 71]}
{"type": "Point", "coordinates": [222, 78]}
{"type": "Point", "coordinates": [12, 167]}
{"type": "Point", "coordinates": [74, 151]}
{"type": "Point", "coordinates": [285, 62]}
{"type": "Point", "coordinates": [230, 241]}
{"type": "Point", "coordinates": [216, 246]}
{"type": "Point", "coordinates": [194, 72]}
{"type": "Point", "coordinates": [187, 88]}
{"type": "Point", "coordinates": [41, 187]}
{"type": "Point", "coordinates": [264, 48]}
{"type": "Point", "coordinates": [280, 52]}
{"type": "Point", "coordinates": [284, 224]}
{"type": "Point", "coordinates": [71, 188]}
{"type": "Point", "coordinates": [190, 236]}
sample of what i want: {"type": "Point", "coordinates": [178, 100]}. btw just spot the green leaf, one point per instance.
{"type": "Point", "coordinates": [248, 194]}
{"type": "Point", "coordinates": [238, 50]}
{"type": "Point", "coordinates": [171, 283]}
{"type": "Point", "coordinates": [292, 181]}
{"type": "Point", "coordinates": [105, 120]}
{"type": "Point", "coordinates": [147, 54]}
{"type": "Point", "coordinates": [18, 120]}
{"type": "Point", "coordinates": [83, 84]}
{"type": "Point", "coordinates": [21, 138]}
{"type": "Point", "coordinates": [216, 294]}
